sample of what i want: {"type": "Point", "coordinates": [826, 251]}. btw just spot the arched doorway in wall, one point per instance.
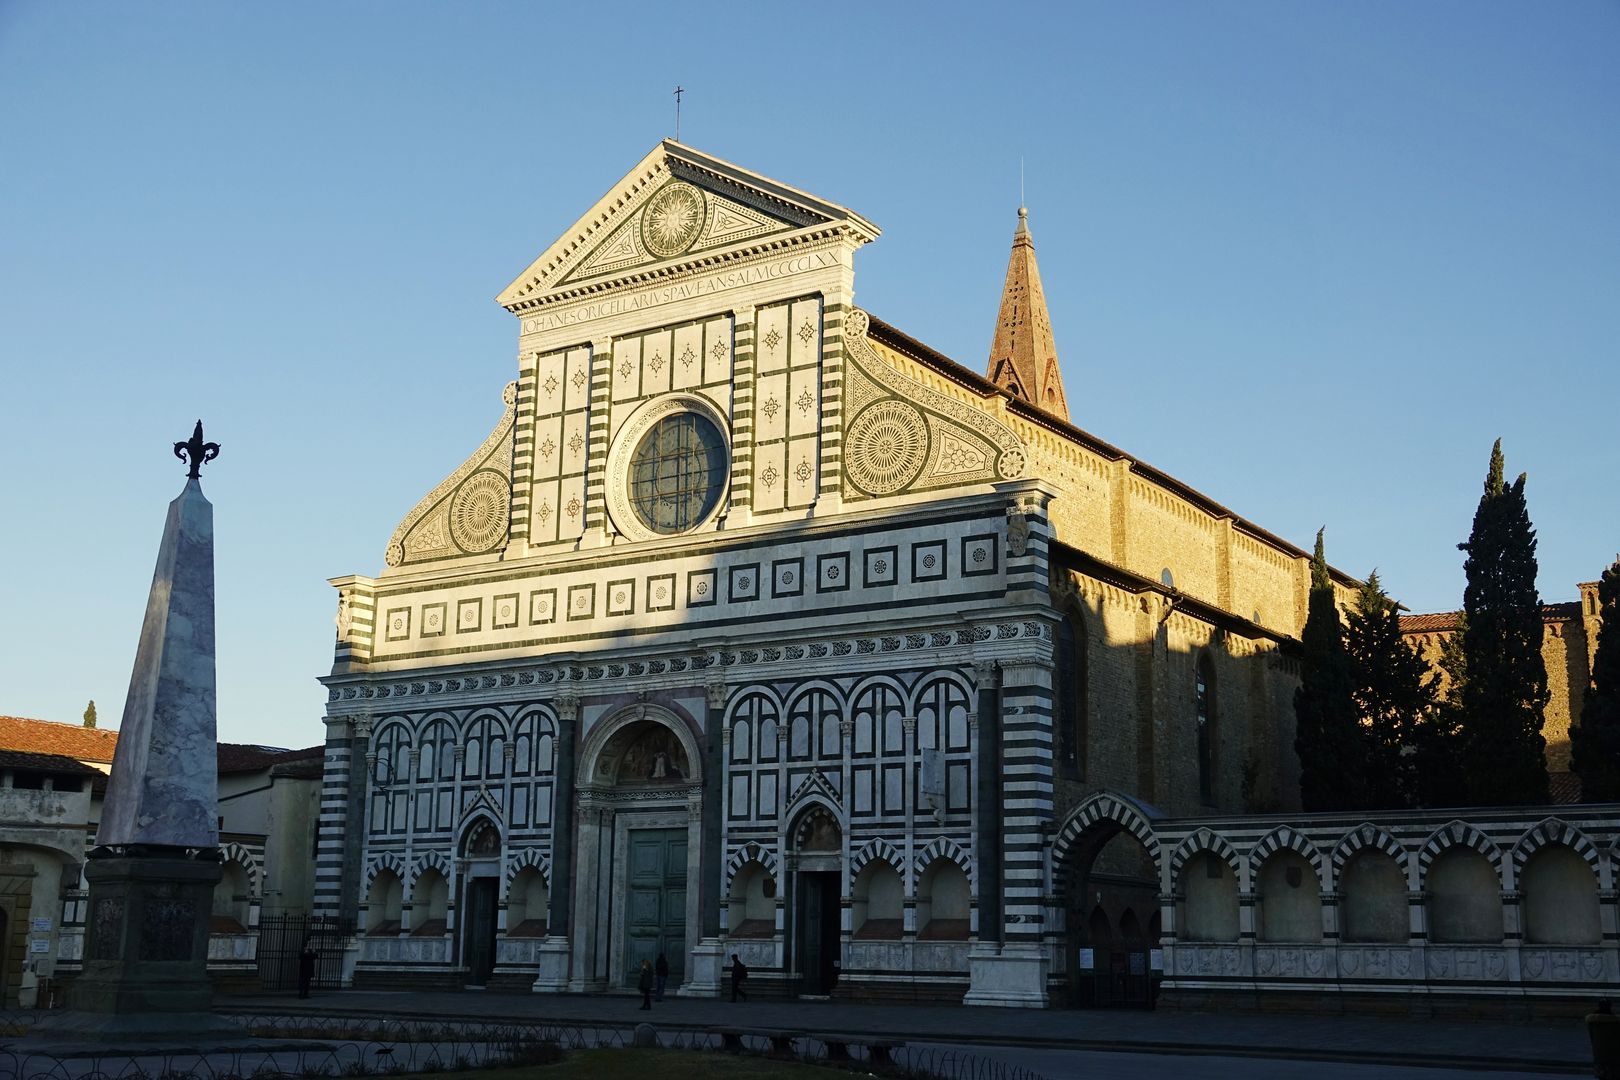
{"type": "Point", "coordinates": [481, 885]}
{"type": "Point", "coordinates": [1106, 877]}
{"type": "Point", "coordinates": [638, 844]}
{"type": "Point", "coordinates": [816, 863]}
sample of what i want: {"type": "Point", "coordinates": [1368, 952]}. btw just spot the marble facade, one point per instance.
{"type": "Point", "coordinates": [757, 627]}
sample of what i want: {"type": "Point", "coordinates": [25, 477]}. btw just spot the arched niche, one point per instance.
{"type": "Point", "coordinates": [481, 839]}
{"type": "Point", "coordinates": [643, 746]}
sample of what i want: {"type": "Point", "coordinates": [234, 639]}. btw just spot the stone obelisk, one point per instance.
{"type": "Point", "coordinates": [155, 861]}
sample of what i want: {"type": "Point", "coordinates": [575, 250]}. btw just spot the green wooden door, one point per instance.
{"type": "Point", "coordinates": [655, 907]}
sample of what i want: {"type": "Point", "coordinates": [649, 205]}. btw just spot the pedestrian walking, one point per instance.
{"type": "Point", "coordinates": [661, 973]}
{"type": "Point", "coordinates": [739, 975]}
{"type": "Point", "coordinates": [306, 968]}
{"type": "Point", "coordinates": [645, 985]}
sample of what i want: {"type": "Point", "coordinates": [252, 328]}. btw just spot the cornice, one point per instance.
{"type": "Point", "coordinates": [825, 235]}
{"type": "Point", "coordinates": [1019, 635]}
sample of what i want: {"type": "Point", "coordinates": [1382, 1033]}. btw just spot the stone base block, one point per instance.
{"type": "Point", "coordinates": [146, 938]}
{"type": "Point", "coordinates": [707, 970]}
{"type": "Point", "coordinates": [1011, 976]}
{"type": "Point", "coordinates": [553, 976]}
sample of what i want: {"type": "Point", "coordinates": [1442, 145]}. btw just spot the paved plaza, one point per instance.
{"type": "Point", "coordinates": [1043, 1040]}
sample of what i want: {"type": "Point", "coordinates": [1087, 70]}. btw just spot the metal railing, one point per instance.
{"type": "Point", "coordinates": [301, 1047]}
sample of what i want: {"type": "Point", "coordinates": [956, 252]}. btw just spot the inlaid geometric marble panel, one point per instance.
{"type": "Point", "coordinates": [661, 593]}
{"type": "Point", "coordinates": [928, 561]}
{"type": "Point", "coordinates": [504, 612]}
{"type": "Point", "coordinates": [701, 588]}
{"type": "Point", "coordinates": [978, 555]}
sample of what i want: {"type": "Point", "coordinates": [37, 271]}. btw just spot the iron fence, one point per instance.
{"type": "Point", "coordinates": [287, 1047]}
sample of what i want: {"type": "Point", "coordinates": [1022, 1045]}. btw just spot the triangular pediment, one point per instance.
{"type": "Point", "coordinates": [675, 208]}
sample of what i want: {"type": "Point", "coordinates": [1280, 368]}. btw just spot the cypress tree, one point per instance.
{"type": "Point", "coordinates": [1504, 756]}
{"type": "Point", "coordinates": [1441, 778]}
{"type": "Point", "coordinates": [1596, 738]}
{"type": "Point", "coordinates": [1391, 696]}
{"type": "Point", "coordinates": [1326, 734]}
{"type": "Point", "coordinates": [90, 714]}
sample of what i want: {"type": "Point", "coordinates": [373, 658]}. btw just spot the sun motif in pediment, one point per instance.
{"type": "Point", "coordinates": [673, 220]}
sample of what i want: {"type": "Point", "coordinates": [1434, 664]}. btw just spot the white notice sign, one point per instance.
{"type": "Point", "coordinates": [1156, 959]}
{"type": "Point", "coordinates": [1088, 960]}
{"type": "Point", "coordinates": [42, 926]}
{"type": "Point", "coordinates": [39, 945]}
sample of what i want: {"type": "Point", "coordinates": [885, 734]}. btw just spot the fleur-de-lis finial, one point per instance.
{"type": "Point", "coordinates": [196, 451]}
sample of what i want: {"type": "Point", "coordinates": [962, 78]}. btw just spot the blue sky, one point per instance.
{"type": "Point", "coordinates": [1310, 258]}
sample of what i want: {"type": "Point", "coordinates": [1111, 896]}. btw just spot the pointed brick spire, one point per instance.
{"type": "Point", "coordinates": [1023, 356]}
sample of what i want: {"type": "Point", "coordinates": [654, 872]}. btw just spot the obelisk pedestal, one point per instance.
{"type": "Point", "coordinates": [155, 863]}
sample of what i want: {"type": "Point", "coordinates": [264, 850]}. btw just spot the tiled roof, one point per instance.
{"type": "Point", "coordinates": [47, 737]}
{"type": "Point", "coordinates": [1428, 624]}
{"type": "Point", "coordinates": [52, 763]}
{"type": "Point", "coordinates": [75, 743]}
{"type": "Point", "coordinates": [1447, 620]}
{"type": "Point", "coordinates": [245, 757]}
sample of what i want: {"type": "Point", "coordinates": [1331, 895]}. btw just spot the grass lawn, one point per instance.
{"type": "Point", "coordinates": [648, 1064]}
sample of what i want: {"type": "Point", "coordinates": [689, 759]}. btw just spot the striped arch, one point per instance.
{"type": "Point", "coordinates": [805, 689]}
{"type": "Point", "coordinates": [387, 861]}
{"type": "Point", "coordinates": [894, 684]}
{"type": "Point", "coordinates": [1368, 835]}
{"type": "Point", "coordinates": [1553, 831]}
{"type": "Point", "coordinates": [962, 683]}
{"type": "Point", "coordinates": [397, 720]}
{"type": "Point", "coordinates": [433, 860]}
{"type": "Point", "coordinates": [1203, 840]}
{"type": "Point", "coordinates": [876, 849]}
{"type": "Point", "coordinates": [1456, 834]}
{"type": "Point", "coordinates": [1283, 838]}
{"type": "Point", "coordinates": [522, 861]}
{"type": "Point", "coordinates": [751, 853]}
{"type": "Point", "coordinates": [236, 853]}
{"type": "Point", "coordinates": [1103, 809]}
{"type": "Point", "coordinates": [498, 718]}
{"type": "Point", "coordinates": [946, 848]}
{"type": "Point", "coordinates": [483, 809]}
{"type": "Point", "coordinates": [742, 693]}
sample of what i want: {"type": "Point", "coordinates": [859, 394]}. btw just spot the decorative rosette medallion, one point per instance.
{"type": "Point", "coordinates": [478, 512]}
{"type": "Point", "coordinates": [886, 446]}
{"type": "Point", "coordinates": [673, 219]}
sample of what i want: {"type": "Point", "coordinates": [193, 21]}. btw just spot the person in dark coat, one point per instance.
{"type": "Point", "coordinates": [306, 968]}
{"type": "Point", "coordinates": [739, 975]}
{"type": "Point", "coordinates": [645, 984]}
{"type": "Point", "coordinates": [661, 973]}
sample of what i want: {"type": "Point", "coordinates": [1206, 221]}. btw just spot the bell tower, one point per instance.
{"type": "Point", "coordinates": [1023, 356]}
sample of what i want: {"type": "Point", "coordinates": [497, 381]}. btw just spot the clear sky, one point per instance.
{"type": "Point", "coordinates": [1311, 258]}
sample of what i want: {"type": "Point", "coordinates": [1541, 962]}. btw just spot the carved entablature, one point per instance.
{"type": "Point", "coordinates": [677, 211]}
{"type": "Point", "coordinates": [904, 437]}
{"type": "Point", "coordinates": [470, 511]}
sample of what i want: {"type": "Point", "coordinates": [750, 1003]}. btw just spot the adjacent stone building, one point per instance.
{"type": "Point", "coordinates": [1568, 645]}
{"type": "Point", "coordinates": [52, 778]}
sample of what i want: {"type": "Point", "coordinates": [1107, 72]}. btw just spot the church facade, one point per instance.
{"type": "Point", "coordinates": [757, 628]}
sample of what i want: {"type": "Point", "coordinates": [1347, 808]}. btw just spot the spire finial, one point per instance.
{"type": "Point", "coordinates": [1023, 356]}
{"type": "Point", "coordinates": [197, 451]}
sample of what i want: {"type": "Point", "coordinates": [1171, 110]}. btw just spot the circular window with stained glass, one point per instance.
{"type": "Point", "coordinates": [677, 473]}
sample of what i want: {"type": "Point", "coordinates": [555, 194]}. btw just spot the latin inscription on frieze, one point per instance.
{"type": "Point", "coordinates": [681, 290]}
